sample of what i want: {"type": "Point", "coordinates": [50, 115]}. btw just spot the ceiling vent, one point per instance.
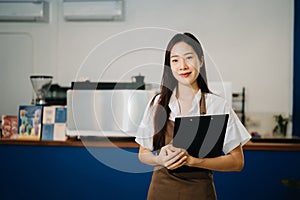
{"type": "Point", "coordinates": [24, 11]}
{"type": "Point", "coordinates": [93, 10]}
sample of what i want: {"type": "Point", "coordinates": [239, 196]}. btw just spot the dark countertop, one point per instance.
{"type": "Point", "coordinates": [276, 139]}
{"type": "Point", "coordinates": [273, 144]}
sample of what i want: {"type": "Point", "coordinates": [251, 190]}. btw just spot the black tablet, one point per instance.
{"type": "Point", "coordinates": [202, 136]}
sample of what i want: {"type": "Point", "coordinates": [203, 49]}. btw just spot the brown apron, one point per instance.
{"type": "Point", "coordinates": [182, 184]}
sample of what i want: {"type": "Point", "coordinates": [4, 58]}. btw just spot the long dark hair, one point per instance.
{"type": "Point", "coordinates": [169, 83]}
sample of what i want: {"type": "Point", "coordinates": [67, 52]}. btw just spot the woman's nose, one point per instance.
{"type": "Point", "coordinates": [182, 64]}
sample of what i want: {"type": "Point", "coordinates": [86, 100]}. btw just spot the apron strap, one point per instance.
{"type": "Point", "coordinates": [202, 104]}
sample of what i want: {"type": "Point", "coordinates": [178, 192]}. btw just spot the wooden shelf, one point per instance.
{"type": "Point", "coordinates": [129, 143]}
{"type": "Point", "coordinates": [111, 142]}
{"type": "Point", "coordinates": [272, 146]}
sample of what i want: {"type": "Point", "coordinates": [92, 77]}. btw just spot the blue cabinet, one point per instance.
{"type": "Point", "coordinates": [64, 172]}
{"type": "Point", "coordinates": [262, 177]}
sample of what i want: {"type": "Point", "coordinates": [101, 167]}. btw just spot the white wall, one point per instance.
{"type": "Point", "coordinates": [250, 41]}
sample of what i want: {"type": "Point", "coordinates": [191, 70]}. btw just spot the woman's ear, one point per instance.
{"type": "Point", "coordinates": [201, 61]}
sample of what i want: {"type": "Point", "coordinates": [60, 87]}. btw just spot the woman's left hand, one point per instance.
{"type": "Point", "coordinates": [188, 159]}
{"type": "Point", "coordinates": [181, 161]}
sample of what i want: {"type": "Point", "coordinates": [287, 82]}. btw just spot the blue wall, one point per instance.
{"type": "Point", "coordinates": [296, 81]}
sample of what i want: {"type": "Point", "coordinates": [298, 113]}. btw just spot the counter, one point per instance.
{"type": "Point", "coordinates": [71, 170]}
{"type": "Point", "coordinates": [255, 144]}
{"type": "Point", "coordinates": [113, 142]}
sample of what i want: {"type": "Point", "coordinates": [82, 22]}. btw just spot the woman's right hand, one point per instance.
{"type": "Point", "coordinates": [171, 157]}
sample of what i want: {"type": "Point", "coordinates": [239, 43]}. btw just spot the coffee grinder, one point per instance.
{"type": "Point", "coordinates": [41, 85]}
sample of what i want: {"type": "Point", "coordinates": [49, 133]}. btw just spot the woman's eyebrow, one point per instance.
{"type": "Point", "coordinates": [183, 54]}
{"type": "Point", "coordinates": [188, 53]}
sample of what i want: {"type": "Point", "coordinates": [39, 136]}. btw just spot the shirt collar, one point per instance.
{"type": "Point", "coordinates": [173, 103]}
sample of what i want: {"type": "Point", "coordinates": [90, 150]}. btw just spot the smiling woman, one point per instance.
{"type": "Point", "coordinates": [184, 92]}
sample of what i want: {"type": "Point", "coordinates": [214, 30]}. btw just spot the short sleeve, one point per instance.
{"type": "Point", "coordinates": [145, 132]}
{"type": "Point", "coordinates": [236, 133]}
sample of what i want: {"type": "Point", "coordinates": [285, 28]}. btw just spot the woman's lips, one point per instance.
{"type": "Point", "coordinates": [185, 75]}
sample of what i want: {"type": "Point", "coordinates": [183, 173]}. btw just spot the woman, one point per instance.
{"type": "Point", "coordinates": [184, 91]}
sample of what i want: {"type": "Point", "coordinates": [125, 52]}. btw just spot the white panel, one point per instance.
{"type": "Point", "coordinates": [250, 41]}
{"type": "Point", "coordinates": [16, 67]}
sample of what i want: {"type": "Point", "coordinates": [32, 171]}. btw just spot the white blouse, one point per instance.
{"type": "Point", "coordinates": [236, 133]}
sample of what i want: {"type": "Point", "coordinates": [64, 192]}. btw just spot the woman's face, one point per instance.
{"type": "Point", "coordinates": [185, 64]}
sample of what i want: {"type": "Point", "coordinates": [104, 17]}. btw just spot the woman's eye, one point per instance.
{"type": "Point", "coordinates": [189, 57]}
{"type": "Point", "coordinates": [174, 60]}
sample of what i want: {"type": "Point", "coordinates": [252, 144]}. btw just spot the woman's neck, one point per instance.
{"type": "Point", "coordinates": [185, 95]}
{"type": "Point", "coordinates": [185, 92]}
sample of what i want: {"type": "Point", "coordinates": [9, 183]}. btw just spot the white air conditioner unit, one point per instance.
{"type": "Point", "coordinates": [93, 10]}
{"type": "Point", "coordinates": [24, 11]}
